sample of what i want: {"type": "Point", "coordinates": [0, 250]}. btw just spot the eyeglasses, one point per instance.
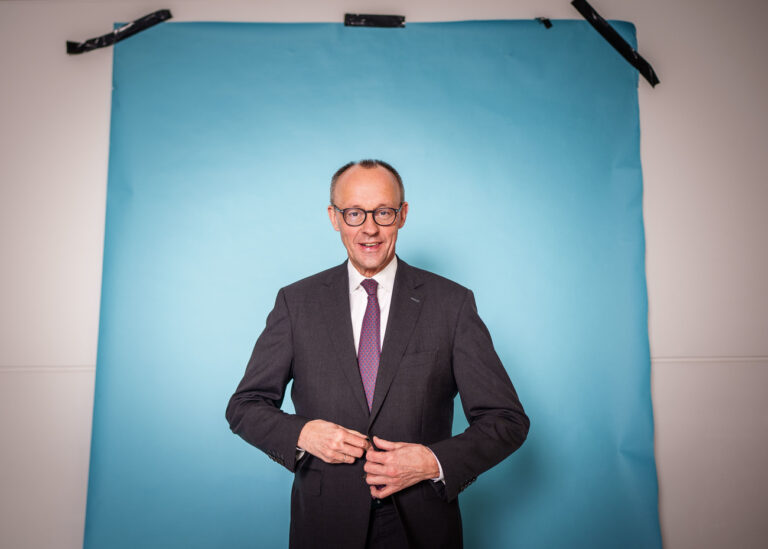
{"type": "Point", "coordinates": [354, 217]}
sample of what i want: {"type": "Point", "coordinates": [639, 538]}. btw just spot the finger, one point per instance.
{"type": "Point", "coordinates": [339, 457]}
{"type": "Point", "coordinates": [382, 492]}
{"type": "Point", "coordinates": [376, 457]}
{"type": "Point", "coordinates": [354, 440]}
{"type": "Point", "coordinates": [387, 491]}
{"type": "Point", "coordinates": [353, 451]}
{"type": "Point", "coordinates": [385, 444]}
{"type": "Point", "coordinates": [328, 458]}
{"type": "Point", "coordinates": [377, 480]}
{"type": "Point", "coordinates": [341, 442]}
{"type": "Point", "coordinates": [373, 468]}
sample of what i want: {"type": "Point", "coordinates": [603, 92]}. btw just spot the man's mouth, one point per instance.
{"type": "Point", "coordinates": [370, 245]}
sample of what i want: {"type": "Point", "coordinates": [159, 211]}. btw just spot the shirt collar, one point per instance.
{"type": "Point", "coordinates": [385, 277]}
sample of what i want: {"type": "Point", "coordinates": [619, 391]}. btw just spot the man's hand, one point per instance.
{"type": "Point", "coordinates": [332, 443]}
{"type": "Point", "coordinates": [398, 466]}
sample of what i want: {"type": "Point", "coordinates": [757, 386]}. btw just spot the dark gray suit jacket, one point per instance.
{"type": "Point", "coordinates": [435, 345]}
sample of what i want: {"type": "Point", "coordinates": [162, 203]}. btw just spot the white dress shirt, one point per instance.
{"type": "Point", "coordinates": [358, 298]}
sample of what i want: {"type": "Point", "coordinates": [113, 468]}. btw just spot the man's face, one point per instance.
{"type": "Point", "coordinates": [370, 247]}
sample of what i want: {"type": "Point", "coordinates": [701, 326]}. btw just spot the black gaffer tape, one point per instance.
{"type": "Point", "coordinates": [368, 20]}
{"type": "Point", "coordinates": [129, 29]}
{"type": "Point", "coordinates": [614, 39]}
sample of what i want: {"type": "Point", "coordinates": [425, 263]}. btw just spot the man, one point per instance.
{"type": "Point", "coordinates": [377, 351]}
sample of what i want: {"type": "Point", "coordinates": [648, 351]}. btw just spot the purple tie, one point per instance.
{"type": "Point", "coordinates": [368, 350]}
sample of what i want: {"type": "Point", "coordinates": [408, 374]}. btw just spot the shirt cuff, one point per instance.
{"type": "Point", "coordinates": [300, 454]}
{"type": "Point", "coordinates": [441, 477]}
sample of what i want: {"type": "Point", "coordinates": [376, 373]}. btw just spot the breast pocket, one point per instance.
{"type": "Point", "coordinates": [419, 357]}
{"type": "Point", "coordinates": [419, 368]}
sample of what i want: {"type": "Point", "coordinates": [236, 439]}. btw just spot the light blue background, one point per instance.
{"type": "Point", "coordinates": [519, 147]}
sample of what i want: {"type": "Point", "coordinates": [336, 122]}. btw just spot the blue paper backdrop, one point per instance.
{"type": "Point", "coordinates": [519, 147]}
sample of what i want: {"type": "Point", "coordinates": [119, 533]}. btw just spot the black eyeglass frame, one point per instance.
{"type": "Point", "coordinates": [366, 212]}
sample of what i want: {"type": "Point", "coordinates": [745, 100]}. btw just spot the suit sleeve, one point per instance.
{"type": "Point", "coordinates": [254, 410]}
{"type": "Point", "coordinates": [498, 424]}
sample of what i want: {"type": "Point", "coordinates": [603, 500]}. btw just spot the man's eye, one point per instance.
{"type": "Point", "coordinates": [383, 214]}
{"type": "Point", "coordinates": [353, 214]}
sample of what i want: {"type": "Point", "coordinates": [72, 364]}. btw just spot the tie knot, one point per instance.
{"type": "Point", "coordinates": [369, 285]}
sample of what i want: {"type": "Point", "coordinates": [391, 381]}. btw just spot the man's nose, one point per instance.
{"type": "Point", "coordinates": [370, 226]}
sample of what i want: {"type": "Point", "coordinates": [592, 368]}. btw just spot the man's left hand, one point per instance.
{"type": "Point", "coordinates": [397, 466]}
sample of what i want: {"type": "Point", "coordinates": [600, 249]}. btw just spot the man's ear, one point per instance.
{"type": "Point", "coordinates": [403, 214]}
{"type": "Point", "coordinates": [334, 219]}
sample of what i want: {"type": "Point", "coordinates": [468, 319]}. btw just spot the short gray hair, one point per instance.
{"type": "Point", "coordinates": [368, 164]}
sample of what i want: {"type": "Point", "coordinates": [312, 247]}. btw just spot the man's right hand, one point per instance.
{"type": "Point", "coordinates": [332, 443]}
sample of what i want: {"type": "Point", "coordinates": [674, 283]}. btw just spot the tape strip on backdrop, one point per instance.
{"type": "Point", "coordinates": [614, 39]}
{"type": "Point", "coordinates": [368, 20]}
{"type": "Point", "coordinates": [129, 29]}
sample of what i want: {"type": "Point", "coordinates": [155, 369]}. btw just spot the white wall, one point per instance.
{"type": "Point", "coordinates": [704, 133]}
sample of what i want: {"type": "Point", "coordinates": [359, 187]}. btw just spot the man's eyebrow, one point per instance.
{"type": "Point", "coordinates": [381, 205]}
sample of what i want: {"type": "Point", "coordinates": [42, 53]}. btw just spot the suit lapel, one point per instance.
{"type": "Point", "coordinates": [404, 311]}
{"type": "Point", "coordinates": [335, 304]}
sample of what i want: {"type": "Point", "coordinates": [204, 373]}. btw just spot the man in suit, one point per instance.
{"type": "Point", "coordinates": [377, 351]}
